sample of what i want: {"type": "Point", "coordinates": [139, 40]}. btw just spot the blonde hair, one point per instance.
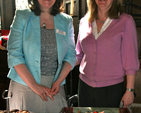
{"type": "Point", "coordinates": [112, 13]}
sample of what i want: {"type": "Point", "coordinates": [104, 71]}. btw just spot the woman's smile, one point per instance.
{"type": "Point", "coordinates": [46, 3]}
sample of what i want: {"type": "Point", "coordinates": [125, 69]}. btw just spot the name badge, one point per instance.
{"type": "Point", "coordinates": [61, 32]}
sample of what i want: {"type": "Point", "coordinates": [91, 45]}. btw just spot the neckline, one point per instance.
{"type": "Point", "coordinates": [113, 21]}
{"type": "Point", "coordinates": [102, 22]}
{"type": "Point", "coordinates": [46, 29]}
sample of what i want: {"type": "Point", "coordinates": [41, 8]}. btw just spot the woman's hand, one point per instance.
{"type": "Point", "coordinates": [127, 98]}
{"type": "Point", "coordinates": [55, 87]}
{"type": "Point", "coordinates": [63, 74]}
{"type": "Point", "coordinates": [42, 91]}
{"type": "Point", "coordinates": [27, 77]}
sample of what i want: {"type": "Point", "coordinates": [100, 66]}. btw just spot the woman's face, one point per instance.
{"type": "Point", "coordinates": [46, 4]}
{"type": "Point", "coordinates": [104, 5]}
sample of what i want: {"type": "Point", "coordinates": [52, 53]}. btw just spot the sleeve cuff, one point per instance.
{"type": "Point", "coordinates": [131, 72]}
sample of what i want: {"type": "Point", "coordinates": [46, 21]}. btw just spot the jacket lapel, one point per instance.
{"type": "Point", "coordinates": [60, 36]}
{"type": "Point", "coordinates": [35, 23]}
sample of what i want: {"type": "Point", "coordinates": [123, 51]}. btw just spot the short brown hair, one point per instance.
{"type": "Point", "coordinates": [56, 8]}
{"type": "Point", "coordinates": [113, 12]}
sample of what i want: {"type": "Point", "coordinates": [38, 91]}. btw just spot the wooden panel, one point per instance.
{"type": "Point", "coordinates": [7, 13]}
{"type": "Point", "coordinates": [3, 61]}
{"type": "Point", "coordinates": [82, 8]}
{"type": "Point", "coordinates": [133, 7]}
{"type": "Point", "coordinates": [3, 86]}
{"type": "Point", "coordinates": [4, 81]}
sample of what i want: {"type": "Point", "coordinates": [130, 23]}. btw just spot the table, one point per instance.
{"type": "Point", "coordinates": [91, 110]}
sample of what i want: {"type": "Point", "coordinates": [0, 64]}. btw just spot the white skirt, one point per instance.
{"type": "Point", "coordinates": [25, 99]}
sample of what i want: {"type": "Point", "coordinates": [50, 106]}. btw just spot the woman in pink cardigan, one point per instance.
{"type": "Point", "coordinates": [106, 51]}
